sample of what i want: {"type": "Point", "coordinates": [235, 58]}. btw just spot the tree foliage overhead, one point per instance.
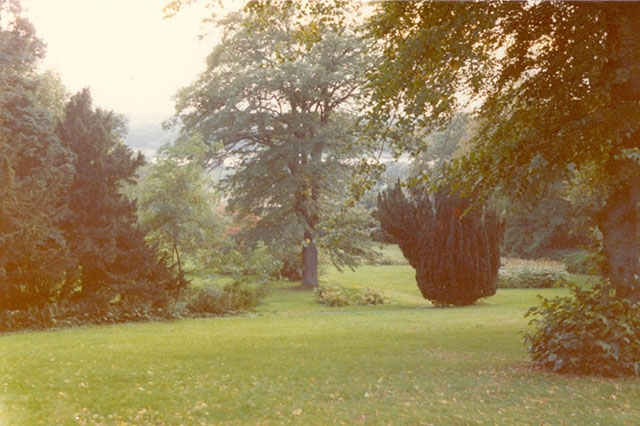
{"type": "Point", "coordinates": [278, 98]}
{"type": "Point", "coordinates": [558, 84]}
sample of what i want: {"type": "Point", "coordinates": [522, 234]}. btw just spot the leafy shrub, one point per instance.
{"type": "Point", "coordinates": [583, 262]}
{"type": "Point", "coordinates": [249, 264]}
{"type": "Point", "coordinates": [371, 296]}
{"type": "Point", "coordinates": [233, 298]}
{"type": "Point", "coordinates": [334, 295]}
{"type": "Point", "coordinates": [243, 296]}
{"type": "Point", "coordinates": [331, 295]}
{"type": "Point", "coordinates": [589, 333]}
{"type": "Point", "coordinates": [207, 300]}
{"type": "Point", "coordinates": [519, 273]}
{"type": "Point", "coordinates": [455, 251]}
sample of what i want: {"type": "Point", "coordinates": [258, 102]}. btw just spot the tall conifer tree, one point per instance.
{"type": "Point", "coordinates": [101, 228]}
{"type": "Point", "coordinates": [34, 174]}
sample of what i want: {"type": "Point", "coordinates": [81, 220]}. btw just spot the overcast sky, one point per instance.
{"type": "Point", "coordinates": [133, 60]}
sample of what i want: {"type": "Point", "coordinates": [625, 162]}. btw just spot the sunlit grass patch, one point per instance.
{"type": "Point", "coordinates": [296, 361]}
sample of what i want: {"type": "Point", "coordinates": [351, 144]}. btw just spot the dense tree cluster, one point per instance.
{"type": "Point", "coordinates": [67, 232]}
{"type": "Point", "coordinates": [35, 172]}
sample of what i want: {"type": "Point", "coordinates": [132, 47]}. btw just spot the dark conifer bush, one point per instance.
{"type": "Point", "coordinates": [455, 252]}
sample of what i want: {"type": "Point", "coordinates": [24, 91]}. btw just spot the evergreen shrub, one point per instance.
{"type": "Point", "coordinates": [455, 251]}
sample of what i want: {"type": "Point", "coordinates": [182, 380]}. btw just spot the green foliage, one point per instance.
{"type": "Point", "coordinates": [335, 295]}
{"type": "Point", "coordinates": [592, 332]}
{"type": "Point", "coordinates": [518, 273]}
{"type": "Point", "coordinates": [540, 121]}
{"type": "Point", "coordinates": [251, 271]}
{"type": "Point", "coordinates": [246, 264]}
{"type": "Point", "coordinates": [177, 206]}
{"type": "Point", "coordinates": [371, 296]}
{"type": "Point", "coordinates": [95, 310]}
{"type": "Point", "coordinates": [543, 229]}
{"type": "Point", "coordinates": [35, 172]}
{"type": "Point", "coordinates": [455, 251]}
{"type": "Point", "coordinates": [206, 300]}
{"type": "Point", "coordinates": [279, 97]}
{"type": "Point", "coordinates": [233, 298]}
{"type": "Point", "coordinates": [583, 262]}
{"type": "Point", "coordinates": [331, 295]}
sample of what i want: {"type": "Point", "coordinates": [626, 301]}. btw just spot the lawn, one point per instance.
{"type": "Point", "coordinates": [294, 361]}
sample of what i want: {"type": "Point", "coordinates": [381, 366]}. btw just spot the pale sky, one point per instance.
{"type": "Point", "coordinates": [133, 60]}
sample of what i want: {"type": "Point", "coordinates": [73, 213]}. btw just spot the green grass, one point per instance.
{"type": "Point", "coordinates": [392, 255]}
{"type": "Point", "coordinates": [295, 361]}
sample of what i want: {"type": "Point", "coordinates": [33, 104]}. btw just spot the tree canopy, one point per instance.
{"type": "Point", "coordinates": [278, 99]}
{"type": "Point", "coordinates": [558, 87]}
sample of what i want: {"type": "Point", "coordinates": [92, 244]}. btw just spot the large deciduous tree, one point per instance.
{"type": "Point", "coordinates": [279, 96]}
{"type": "Point", "coordinates": [558, 85]}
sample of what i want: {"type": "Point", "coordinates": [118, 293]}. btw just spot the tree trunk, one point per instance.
{"type": "Point", "coordinates": [619, 224]}
{"type": "Point", "coordinates": [309, 263]}
{"type": "Point", "coordinates": [619, 219]}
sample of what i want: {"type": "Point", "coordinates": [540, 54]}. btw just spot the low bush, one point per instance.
{"type": "Point", "coordinates": [519, 273]}
{"type": "Point", "coordinates": [334, 295]}
{"type": "Point", "coordinates": [588, 333]}
{"type": "Point", "coordinates": [95, 310]}
{"type": "Point", "coordinates": [233, 298]}
{"type": "Point", "coordinates": [331, 295]}
{"type": "Point", "coordinates": [371, 296]}
{"type": "Point", "coordinates": [207, 300]}
{"type": "Point", "coordinates": [243, 296]}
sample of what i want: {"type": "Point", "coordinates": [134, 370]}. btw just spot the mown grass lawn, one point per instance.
{"type": "Point", "coordinates": [294, 361]}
